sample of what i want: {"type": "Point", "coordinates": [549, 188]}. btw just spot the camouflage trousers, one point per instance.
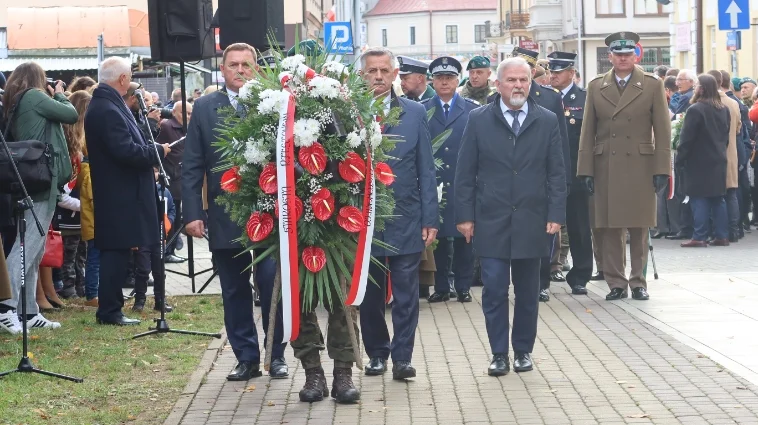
{"type": "Point", "coordinates": [74, 260]}
{"type": "Point", "coordinates": [310, 340]}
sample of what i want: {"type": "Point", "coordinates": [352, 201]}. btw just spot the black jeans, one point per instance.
{"type": "Point", "coordinates": [148, 259]}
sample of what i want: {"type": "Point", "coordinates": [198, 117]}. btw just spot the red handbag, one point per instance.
{"type": "Point", "coordinates": [53, 256]}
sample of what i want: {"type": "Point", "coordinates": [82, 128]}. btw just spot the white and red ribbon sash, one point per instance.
{"type": "Point", "coordinates": [288, 251]}
{"type": "Point", "coordinates": [365, 238]}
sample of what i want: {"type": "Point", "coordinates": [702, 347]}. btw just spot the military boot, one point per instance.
{"type": "Point", "coordinates": [343, 389]}
{"type": "Point", "coordinates": [315, 385]}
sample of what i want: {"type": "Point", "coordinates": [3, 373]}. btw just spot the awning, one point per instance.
{"type": "Point", "coordinates": [55, 63]}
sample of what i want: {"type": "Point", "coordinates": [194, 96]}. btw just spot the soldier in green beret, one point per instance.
{"type": "Point", "coordinates": [478, 85]}
{"type": "Point", "coordinates": [306, 48]}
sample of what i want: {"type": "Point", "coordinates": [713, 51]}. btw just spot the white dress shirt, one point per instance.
{"type": "Point", "coordinates": [566, 90]}
{"type": "Point", "coordinates": [626, 79]}
{"type": "Point", "coordinates": [509, 117]}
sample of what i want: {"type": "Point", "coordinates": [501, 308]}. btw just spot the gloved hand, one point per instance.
{"type": "Point", "coordinates": [589, 183]}
{"type": "Point", "coordinates": [660, 181]}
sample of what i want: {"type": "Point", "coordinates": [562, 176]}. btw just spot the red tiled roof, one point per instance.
{"type": "Point", "coordinates": [392, 7]}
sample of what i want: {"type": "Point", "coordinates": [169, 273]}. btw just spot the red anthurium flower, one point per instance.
{"type": "Point", "coordinates": [323, 204]}
{"type": "Point", "coordinates": [350, 219]}
{"type": "Point", "coordinates": [259, 226]}
{"type": "Point", "coordinates": [298, 208]}
{"type": "Point", "coordinates": [384, 173]}
{"type": "Point", "coordinates": [230, 180]}
{"type": "Point", "coordinates": [353, 168]}
{"type": "Point", "coordinates": [267, 179]}
{"type": "Point", "coordinates": [314, 258]}
{"type": "Point", "coordinates": [313, 158]}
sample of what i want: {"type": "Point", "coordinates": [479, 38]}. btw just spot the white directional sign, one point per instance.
{"type": "Point", "coordinates": [734, 15]}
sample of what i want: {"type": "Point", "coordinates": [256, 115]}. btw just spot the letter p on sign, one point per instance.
{"type": "Point", "coordinates": [339, 37]}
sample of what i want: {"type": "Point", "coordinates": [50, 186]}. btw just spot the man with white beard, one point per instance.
{"type": "Point", "coordinates": [510, 199]}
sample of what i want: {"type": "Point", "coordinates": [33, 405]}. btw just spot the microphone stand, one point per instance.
{"type": "Point", "coordinates": [26, 365]}
{"type": "Point", "coordinates": [161, 325]}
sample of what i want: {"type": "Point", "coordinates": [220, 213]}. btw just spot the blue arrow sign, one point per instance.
{"type": "Point", "coordinates": [338, 37]}
{"type": "Point", "coordinates": [734, 15]}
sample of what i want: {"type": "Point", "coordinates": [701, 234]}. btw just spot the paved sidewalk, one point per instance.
{"type": "Point", "coordinates": [596, 361]}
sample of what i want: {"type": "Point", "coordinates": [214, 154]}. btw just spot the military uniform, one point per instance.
{"type": "Point", "coordinates": [479, 94]}
{"type": "Point", "coordinates": [450, 115]}
{"type": "Point", "coordinates": [620, 159]}
{"type": "Point", "coordinates": [550, 99]}
{"type": "Point", "coordinates": [577, 204]}
{"type": "Point", "coordinates": [408, 65]}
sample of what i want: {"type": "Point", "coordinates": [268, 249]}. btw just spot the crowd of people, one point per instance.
{"type": "Point", "coordinates": [534, 167]}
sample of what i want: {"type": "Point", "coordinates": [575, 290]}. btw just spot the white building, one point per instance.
{"type": "Point", "coordinates": [426, 29]}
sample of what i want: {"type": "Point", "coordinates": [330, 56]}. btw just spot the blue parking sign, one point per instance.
{"type": "Point", "coordinates": [338, 37]}
{"type": "Point", "coordinates": [734, 15]}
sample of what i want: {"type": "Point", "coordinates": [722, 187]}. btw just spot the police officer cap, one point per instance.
{"type": "Point", "coordinates": [561, 60]}
{"type": "Point", "coordinates": [478, 62]}
{"type": "Point", "coordinates": [306, 48]}
{"type": "Point", "coordinates": [529, 55]}
{"type": "Point", "coordinates": [622, 42]}
{"type": "Point", "coordinates": [268, 61]}
{"type": "Point", "coordinates": [410, 66]}
{"type": "Point", "coordinates": [445, 65]}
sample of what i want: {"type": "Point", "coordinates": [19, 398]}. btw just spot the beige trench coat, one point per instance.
{"type": "Point", "coordinates": [618, 149]}
{"type": "Point", "coordinates": [735, 125]}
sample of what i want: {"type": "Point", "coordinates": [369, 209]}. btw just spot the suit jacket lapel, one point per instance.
{"type": "Point", "coordinates": [609, 90]}
{"type": "Point", "coordinates": [456, 112]}
{"type": "Point", "coordinates": [396, 102]}
{"type": "Point", "coordinates": [439, 113]}
{"type": "Point", "coordinates": [495, 109]}
{"type": "Point", "coordinates": [533, 114]}
{"type": "Point", "coordinates": [632, 90]}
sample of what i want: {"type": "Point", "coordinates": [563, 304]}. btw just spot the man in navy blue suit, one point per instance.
{"type": "Point", "coordinates": [450, 113]}
{"type": "Point", "coordinates": [412, 228]}
{"type": "Point", "coordinates": [200, 159]}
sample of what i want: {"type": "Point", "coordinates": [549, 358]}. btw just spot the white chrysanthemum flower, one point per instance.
{"type": "Point", "coordinates": [354, 140]}
{"type": "Point", "coordinates": [291, 63]}
{"type": "Point", "coordinates": [362, 134]}
{"type": "Point", "coordinates": [254, 154]}
{"type": "Point", "coordinates": [247, 89]}
{"type": "Point", "coordinates": [272, 101]}
{"type": "Point", "coordinates": [306, 132]}
{"type": "Point", "coordinates": [376, 134]}
{"type": "Point", "coordinates": [324, 87]}
{"type": "Point", "coordinates": [335, 68]}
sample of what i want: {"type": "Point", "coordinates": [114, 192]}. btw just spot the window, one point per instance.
{"type": "Point", "coordinates": [651, 57]}
{"type": "Point", "coordinates": [413, 36]}
{"type": "Point", "coordinates": [650, 7]}
{"type": "Point", "coordinates": [610, 8]}
{"type": "Point", "coordinates": [451, 34]}
{"type": "Point", "coordinates": [384, 37]}
{"type": "Point", "coordinates": [480, 34]}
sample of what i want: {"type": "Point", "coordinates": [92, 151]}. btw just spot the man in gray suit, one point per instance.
{"type": "Point", "coordinates": [510, 183]}
{"type": "Point", "coordinates": [230, 259]}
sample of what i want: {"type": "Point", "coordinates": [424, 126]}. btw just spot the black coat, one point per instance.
{"type": "Point", "coordinates": [200, 158]}
{"type": "Point", "coordinates": [511, 186]}
{"type": "Point", "coordinates": [701, 154]}
{"type": "Point", "coordinates": [170, 132]}
{"type": "Point", "coordinates": [121, 166]}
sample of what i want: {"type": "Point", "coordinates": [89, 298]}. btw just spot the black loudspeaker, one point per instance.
{"type": "Point", "coordinates": [251, 22]}
{"type": "Point", "coordinates": [180, 30]}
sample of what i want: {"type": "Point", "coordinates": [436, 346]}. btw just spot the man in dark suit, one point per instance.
{"type": "Point", "coordinates": [412, 228]}
{"type": "Point", "coordinates": [577, 204]}
{"type": "Point", "coordinates": [200, 159]}
{"type": "Point", "coordinates": [550, 99]}
{"type": "Point", "coordinates": [123, 185]}
{"type": "Point", "coordinates": [510, 198]}
{"type": "Point", "coordinates": [450, 112]}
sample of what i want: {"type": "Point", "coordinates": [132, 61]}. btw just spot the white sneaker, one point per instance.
{"type": "Point", "coordinates": [39, 321]}
{"type": "Point", "coordinates": [9, 322]}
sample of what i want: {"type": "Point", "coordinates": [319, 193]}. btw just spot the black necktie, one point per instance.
{"type": "Point", "coordinates": [239, 107]}
{"type": "Point", "coordinates": [516, 124]}
{"type": "Point", "coordinates": [622, 84]}
{"type": "Point", "coordinates": [447, 109]}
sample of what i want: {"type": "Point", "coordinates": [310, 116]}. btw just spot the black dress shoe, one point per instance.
{"type": "Point", "coordinates": [640, 293]}
{"type": "Point", "coordinates": [544, 295]}
{"type": "Point", "coordinates": [499, 365]}
{"type": "Point", "coordinates": [616, 294]}
{"type": "Point", "coordinates": [658, 235]}
{"type": "Point", "coordinates": [464, 297]}
{"type": "Point", "coordinates": [522, 362]}
{"type": "Point", "coordinates": [402, 370]}
{"type": "Point", "coordinates": [438, 297]}
{"type": "Point", "coordinates": [139, 304]}
{"type": "Point", "coordinates": [376, 366]}
{"type": "Point", "coordinates": [598, 276]}
{"type": "Point", "coordinates": [278, 369]}
{"type": "Point", "coordinates": [679, 237]}
{"type": "Point", "coordinates": [174, 259]}
{"type": "Point", "coordinates": [123, 321]}
{"type": "Point", "coordinates": [579, 290]}
{"type": "Point", "coordinates": [245, 371]}
{"type": "Point", "coordinates": [557, 276]}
